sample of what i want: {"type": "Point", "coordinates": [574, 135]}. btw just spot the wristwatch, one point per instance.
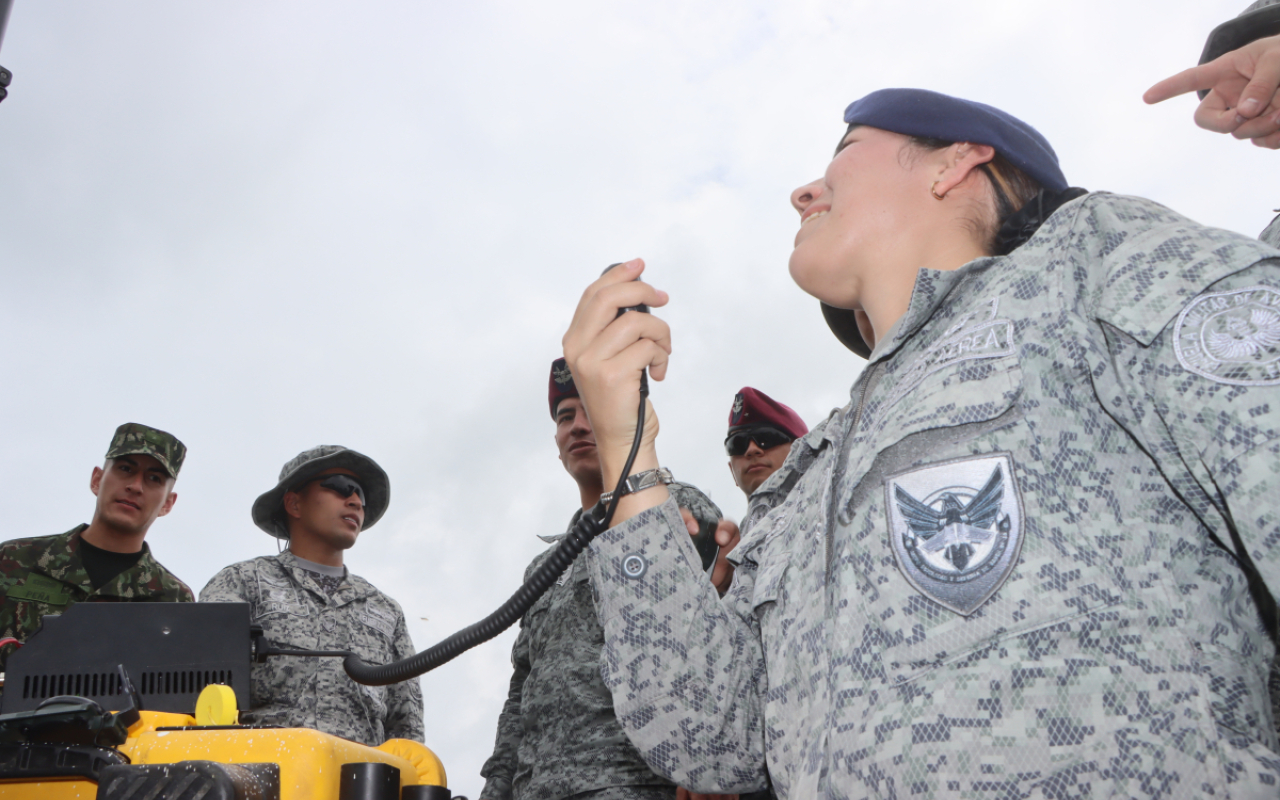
{"type": "Point", "coordinates": [639, 482]}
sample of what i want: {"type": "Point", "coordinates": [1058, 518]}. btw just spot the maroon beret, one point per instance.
{"type": "Point", "coordinates": [752, 407]}
{"type": "Point", "coordinates": [560, 385]}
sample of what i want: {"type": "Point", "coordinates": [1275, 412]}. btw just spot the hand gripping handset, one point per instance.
{"type": "Point", "coordinates": [589, 526]}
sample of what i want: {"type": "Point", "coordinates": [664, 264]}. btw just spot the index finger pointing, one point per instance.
{"type": "Point", "coordinates": [1189, 80]}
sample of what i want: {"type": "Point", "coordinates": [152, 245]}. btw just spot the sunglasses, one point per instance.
{"type": "Point", "coordinates": [737, 443]}
{"type": "Point", "coordinates": [344, 485]}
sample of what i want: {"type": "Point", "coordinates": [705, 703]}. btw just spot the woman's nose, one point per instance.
{"type": "Point", "coordinates": [803, 197]}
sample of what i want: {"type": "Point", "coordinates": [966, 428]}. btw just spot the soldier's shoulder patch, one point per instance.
{"type": "Point", "coordinates": [956, 528]}
{"type": "Point", "coordinates": [1231, 337]}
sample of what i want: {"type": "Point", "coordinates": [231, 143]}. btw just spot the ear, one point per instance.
{"type": "Point", "coordinates": [961, 161]}
{"type": "Point", "coordinates": [95, 481]}
{"type": "Point", "coordinates": [167, 505]}
{"type": "Point", "coordinates": [734, 475]}
{"type": "Point", "coordinates": [293, 504]}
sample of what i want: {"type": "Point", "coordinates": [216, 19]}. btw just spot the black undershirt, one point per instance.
{"type": "Point", "coordinates": [103, 565]}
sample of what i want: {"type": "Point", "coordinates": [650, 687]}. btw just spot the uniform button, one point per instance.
{"type": "Point", "coordinates": [328, 623]}
{"type": "Point", "coordinates": [634, 566]}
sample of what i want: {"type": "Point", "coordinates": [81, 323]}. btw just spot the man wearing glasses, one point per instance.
{"type": "Point", "coordinates": [761, 431]}
{"type": "Point", "coordinates": [304, 598]}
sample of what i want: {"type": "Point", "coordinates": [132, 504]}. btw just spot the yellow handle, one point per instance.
{"type": "Point", "coordinates": [216, 705]}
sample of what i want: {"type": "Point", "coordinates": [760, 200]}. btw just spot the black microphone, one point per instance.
{"type": "Point", "coordinates": [643, 309]}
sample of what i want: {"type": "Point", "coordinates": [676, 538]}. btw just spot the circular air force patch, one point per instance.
{"type": "Point", "coordinates": [956, 528]}
{"type": "Point", "coordinates": [1232, 337]}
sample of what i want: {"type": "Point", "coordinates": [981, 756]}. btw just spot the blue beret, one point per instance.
{"type": "Point", "coordinates": [918, 112]}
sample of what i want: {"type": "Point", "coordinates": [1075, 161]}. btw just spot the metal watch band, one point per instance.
{"type": "Point", "coordinates": [639, 482]}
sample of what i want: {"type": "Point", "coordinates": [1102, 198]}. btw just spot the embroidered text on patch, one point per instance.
{"type": "Point", "coordinates": [275, 598]}
{"type": "Point", "coordinates": [990, 339]}
{"type": "Point", "coordinates": [956, 528]}
{"type": "Point", "coordinates": [1232, 337]}
{"type": "Point", "coordinates": [379, 620]}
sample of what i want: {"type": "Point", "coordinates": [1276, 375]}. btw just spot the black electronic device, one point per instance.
{"type": "Point", "coordinates": [169, 651]}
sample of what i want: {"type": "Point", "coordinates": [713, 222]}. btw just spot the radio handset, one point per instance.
{"type": "Point", "coordinates": [643, 309]}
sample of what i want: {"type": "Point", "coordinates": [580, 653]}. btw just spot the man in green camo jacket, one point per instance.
{"type": "Point", "coordinates": [106, 560]}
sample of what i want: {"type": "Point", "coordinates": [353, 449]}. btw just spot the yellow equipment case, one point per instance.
{"type": "Point", "coordinates": [74, 725]}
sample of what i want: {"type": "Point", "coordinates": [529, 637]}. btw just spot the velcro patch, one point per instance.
{"type": "Point", "coordinates": [378, 620]}
{"type": "Point", "coordinates": [1231, 337]}
{"type": "Point", "coordinates": [42, 589]}
{"type": "Point", "coordinates": [957, 528]}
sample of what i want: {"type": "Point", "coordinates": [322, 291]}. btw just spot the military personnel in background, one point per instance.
{"type": "Point", "coordinates": [306, 599]}
{"type": "Point", "coordinates": [557, 734]}
{"type": "Point", "coordinates": [761, 431]}
{"type": "Point", "coordinates": [108, 559]}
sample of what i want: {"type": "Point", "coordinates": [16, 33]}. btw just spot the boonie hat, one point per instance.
{"type": "Point", "coordinates": [133, 438]}
{"type": "Point", "coordinates": [268, 509]}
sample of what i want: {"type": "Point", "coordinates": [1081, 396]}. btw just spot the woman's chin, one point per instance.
{"type": "Point", "coordinates": [815, 280]}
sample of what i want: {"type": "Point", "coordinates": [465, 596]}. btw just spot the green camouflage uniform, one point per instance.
{"type": "Point", "coordinates": [557, 734]}
{"type": "Point", "coordinates": [1010, 567]}
{"type": "Point", "coordinates": [44, 575]}
{"type": "Point", "coordinates": [313, 692]}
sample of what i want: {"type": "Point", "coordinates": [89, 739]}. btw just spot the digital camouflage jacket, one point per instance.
{"type": "Point", "coordinates": [307, 692]}
{"type": "Point", "coordinates": [43, 575]}
{"type": "Point", "coordinates": [1011, 566]}
{"type": "Point", "coordinates": [557, 734]}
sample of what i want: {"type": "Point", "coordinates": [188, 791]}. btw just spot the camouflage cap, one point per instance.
{"type": "Point", "coordinates": [134, 439]}
{"type": "Point", "coordinates": [268, 509]}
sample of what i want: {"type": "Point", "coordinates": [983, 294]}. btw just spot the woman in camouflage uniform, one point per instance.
{"type": "Point", "coordinates": [1030, 558]}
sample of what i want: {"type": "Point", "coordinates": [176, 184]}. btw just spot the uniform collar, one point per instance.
{"type": "Point", "coordinates": [577, 515]}
{"type": "Point", "coordinates": [64, 551]}
{"type": "Point", "coordinates": [931, 288]}
{"type": "Point", "coordinates": [353, 586]}
{"type": "Point", "coordinates": [61, 560]}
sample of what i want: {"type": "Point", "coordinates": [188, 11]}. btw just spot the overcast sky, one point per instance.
{"type": "Point", "coordinates": [267, 225]}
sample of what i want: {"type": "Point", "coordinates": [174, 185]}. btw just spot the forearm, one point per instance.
{"type": "Point", "coordinates": [686, 673]}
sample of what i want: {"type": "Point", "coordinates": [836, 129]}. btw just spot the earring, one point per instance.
{"type": "Point", "coordinates": [933, 191]}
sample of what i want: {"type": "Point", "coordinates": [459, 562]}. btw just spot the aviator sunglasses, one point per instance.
{"type": "Point", "coordinates": [737, 443]}
{"type": "Point", "coordinates": [344, 485]}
